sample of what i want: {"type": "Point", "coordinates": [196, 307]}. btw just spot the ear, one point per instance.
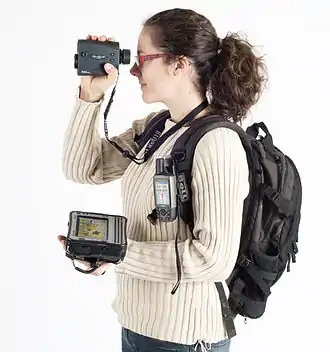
{"type": "Point", "coordinates": [181, 66]}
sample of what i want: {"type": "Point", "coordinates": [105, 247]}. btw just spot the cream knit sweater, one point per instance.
{"type": "Point", "coordinates": [146, 277]}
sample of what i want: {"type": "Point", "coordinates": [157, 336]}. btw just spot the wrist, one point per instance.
{"type": "Point", "coordinates": [89, 97]}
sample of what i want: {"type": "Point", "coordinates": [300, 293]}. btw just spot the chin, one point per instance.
{"type": "Point", "coordinates": [149, 99]}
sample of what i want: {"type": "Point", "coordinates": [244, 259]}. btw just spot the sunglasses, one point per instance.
{"type": "Point", "coordinates": [141, 59]}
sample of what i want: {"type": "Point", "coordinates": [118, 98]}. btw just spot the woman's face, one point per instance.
{"type": "Point", "coordinates": [155, 77]}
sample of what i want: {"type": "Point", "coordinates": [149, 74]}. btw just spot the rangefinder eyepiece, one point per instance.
{"type": "Point", "coordinates": [92, 55]}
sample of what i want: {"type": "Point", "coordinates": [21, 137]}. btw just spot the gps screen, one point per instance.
{"type": "Point", "coordinates": [93, 229]}
{"type": "Point", "coordinates": [162, 192]}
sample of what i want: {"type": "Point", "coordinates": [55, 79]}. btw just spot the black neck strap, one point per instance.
{"type": "Point", "coordinates": [176, 127]}
{"type": "Point", "coordinates": [157, 139]}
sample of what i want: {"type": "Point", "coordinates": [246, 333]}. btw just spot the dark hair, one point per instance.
{"type": "Point", "coordinates": [227, 69]}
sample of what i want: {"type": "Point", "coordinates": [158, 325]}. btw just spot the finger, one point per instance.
{"type": "Point", "coordinates": [89, 37]}
{"type": "Point", "coordinates": [94, 37]}
{"type": "Point", "coordinates": [108, 68]}
{"type": "Point", "coordinates": [96, 272]}
{"type": "Point", "coordinates": [111, 39]}
{"type": "Point", "coordinates": [102, 38]}
{"type": "Point", "coordinates": [105, 266]}
{"type": "Point", "coordinates": [102, 268]}
{"type": "Point", "coordinates": [62, 239]}
{"type": "Point", "coordinates": [99, 272]}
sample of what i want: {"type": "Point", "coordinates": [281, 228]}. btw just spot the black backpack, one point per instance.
{"type": "Point", "coordinates": [271, 213]}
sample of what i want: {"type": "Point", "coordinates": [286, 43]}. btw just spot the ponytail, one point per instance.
{"type": "Point", "coordinates": [238, 79]}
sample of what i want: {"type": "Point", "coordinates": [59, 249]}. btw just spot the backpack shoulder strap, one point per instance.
{"type": "Point", "coordinates": [183, 154]}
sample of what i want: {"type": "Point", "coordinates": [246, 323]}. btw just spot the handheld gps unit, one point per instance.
{"type": "Point", "coordinates": [165, 193]}
{"type": "Point", "coordinates": [95, 237]}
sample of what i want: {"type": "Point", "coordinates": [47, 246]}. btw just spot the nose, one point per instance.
{"type": "Point", "coordinates": [135, 71]}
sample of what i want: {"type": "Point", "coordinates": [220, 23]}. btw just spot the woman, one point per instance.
{"type": "Point", "coordinates": [180, 62]}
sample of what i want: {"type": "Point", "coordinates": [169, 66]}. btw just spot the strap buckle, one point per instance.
{"type": "Point", "coordinates": [243, 261]}
{"type": "Point", "coordinates": [179, 155]}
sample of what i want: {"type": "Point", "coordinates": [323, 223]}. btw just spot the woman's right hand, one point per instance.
{"type": "Point", "coordinates": [92, 88]}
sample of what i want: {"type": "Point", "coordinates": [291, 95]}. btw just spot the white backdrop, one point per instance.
{"type": "Point", "coordinates": [50, 307]}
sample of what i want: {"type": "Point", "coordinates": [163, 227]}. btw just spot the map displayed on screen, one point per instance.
{"type": "Point", "coordinates": [94, 229]}
{"type": "Point", "coordinates": [162, 193]}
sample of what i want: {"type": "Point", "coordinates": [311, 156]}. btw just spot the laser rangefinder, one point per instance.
{"type": "Point", "coordinates": [93, 54]}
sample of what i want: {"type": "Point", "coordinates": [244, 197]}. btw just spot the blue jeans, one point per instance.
{"type": "Point", "coordinates": [132, 342]}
